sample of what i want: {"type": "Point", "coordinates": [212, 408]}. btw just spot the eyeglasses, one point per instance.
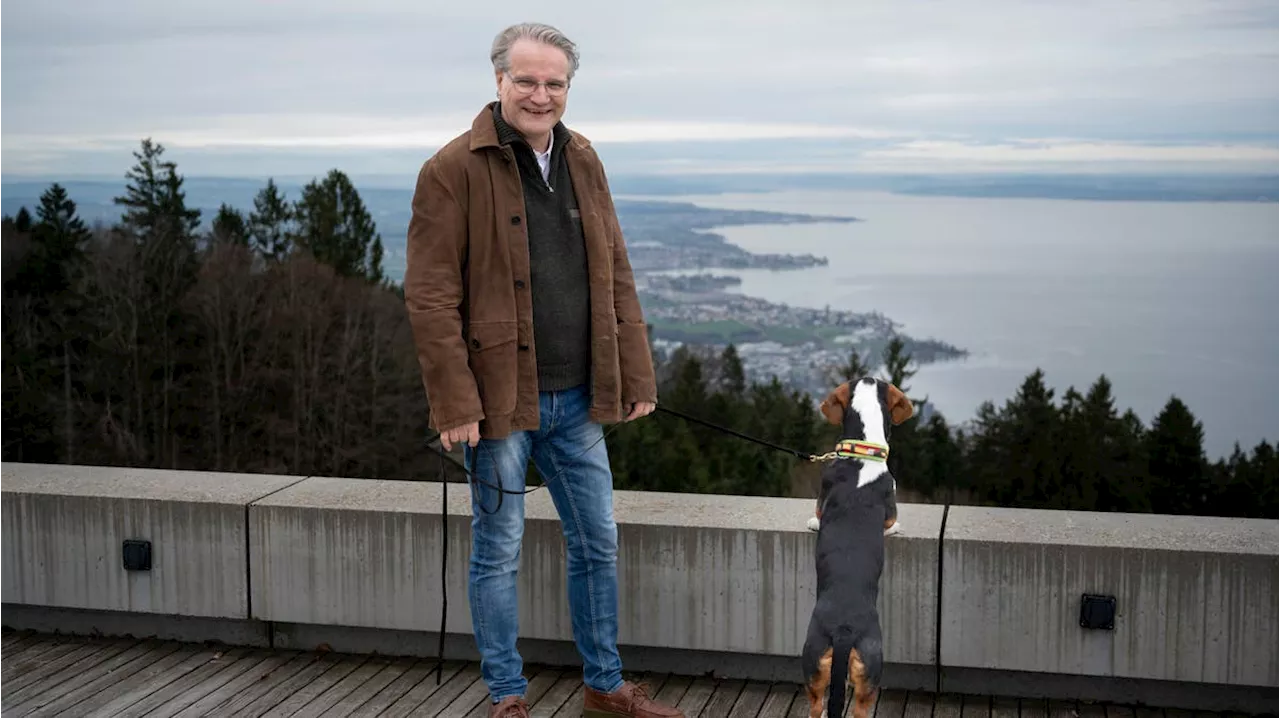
{"type": "Point", "coordinates": [528, 86]}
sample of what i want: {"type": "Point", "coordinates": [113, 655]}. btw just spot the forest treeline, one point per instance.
{"type": "Point", "coordinates": [272, 341]}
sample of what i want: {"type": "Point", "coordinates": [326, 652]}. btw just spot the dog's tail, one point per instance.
{"type": "Point", "coordinates": [840, 649]}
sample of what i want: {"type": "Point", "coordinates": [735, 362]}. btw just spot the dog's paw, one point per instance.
{"type": "Point", "coordinates": [813, 523]}
{"type": "Point", "coordinates": [895, 528]}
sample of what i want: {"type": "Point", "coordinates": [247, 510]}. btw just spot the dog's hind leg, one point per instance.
{"type": "Point", "coordinates": [866, 663]}
{"type": "Point", "coordinates": [815, 662]}
{"type": "Point", "coordinates": [816, 685]}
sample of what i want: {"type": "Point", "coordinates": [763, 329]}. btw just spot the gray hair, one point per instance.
{"type": "Point", "coordinates": [500, 54]}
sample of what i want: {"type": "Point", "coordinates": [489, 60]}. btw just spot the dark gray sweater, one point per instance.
{"type": "Point", "coordinates": [557, 261]}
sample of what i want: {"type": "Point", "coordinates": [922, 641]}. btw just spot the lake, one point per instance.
{"type": "Point", "coordinates": [1164, 298]}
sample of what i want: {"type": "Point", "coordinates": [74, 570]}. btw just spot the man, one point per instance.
{"type": "Point", "coordinates": [530, 337]}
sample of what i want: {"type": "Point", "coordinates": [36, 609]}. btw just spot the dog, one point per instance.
{"type": "Point", "coordinates": [851, 447]}
{"type": "Point", "coordinates": [856, 508]}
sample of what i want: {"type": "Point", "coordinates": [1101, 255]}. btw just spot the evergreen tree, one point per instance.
{"type": "Point", "coordinates": [335, 227]}
{"type": "Point", "coordinates": [852, 370]}
{"type": "Point", "coordinates": [229, 226]}
{"type": "Point", "coordinates": [1176, 461]}
{"type": "Point", "coordinates": [22, 222]}
{"type": "Point", "coordinates": [271, 222]}
{"type": "Point", "coordinates": [155, 200]}
{"type": "Point", "coordinates": [906, 454]}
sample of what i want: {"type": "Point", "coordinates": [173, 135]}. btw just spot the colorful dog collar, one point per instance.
{"type": "Point", "coordinates": [866, 450]}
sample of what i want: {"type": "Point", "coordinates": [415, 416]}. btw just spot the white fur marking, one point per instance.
{"type": "Point", "coordinates": [866, 402]}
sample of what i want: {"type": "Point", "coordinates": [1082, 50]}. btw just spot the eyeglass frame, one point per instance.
{"type": "Point", "coordinates": [536, 84]}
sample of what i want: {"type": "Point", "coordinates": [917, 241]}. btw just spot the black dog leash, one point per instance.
{"type": "Point", "coordinates": [471, 475]}
{"type": "Point", "coordinates": [726, 430]}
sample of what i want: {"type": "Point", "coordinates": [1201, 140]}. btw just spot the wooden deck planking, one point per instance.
{"type": "Point", "coordinates": [86, 676]}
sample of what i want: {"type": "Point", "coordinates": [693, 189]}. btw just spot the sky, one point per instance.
{"type": "Point", "coordinates": [256, 87]}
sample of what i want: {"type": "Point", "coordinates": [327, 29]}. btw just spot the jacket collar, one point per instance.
{"type": "Point", "coordinates": [484, 132]}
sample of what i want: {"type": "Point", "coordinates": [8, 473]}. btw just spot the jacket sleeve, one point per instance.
{"type": "Point", "coordinates": [433, 292]}
{"type": "Point", "coordinates": [635, 357]}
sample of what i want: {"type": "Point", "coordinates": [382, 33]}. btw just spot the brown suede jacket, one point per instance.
{"type": "Point", "coordinates": [466, 288]}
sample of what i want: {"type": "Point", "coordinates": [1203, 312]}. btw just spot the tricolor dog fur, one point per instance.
{"type": "Point", "coordinates": [856, 508]}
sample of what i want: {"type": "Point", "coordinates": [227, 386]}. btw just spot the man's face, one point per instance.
{"type": "Point", "coordinates": [534, 90]}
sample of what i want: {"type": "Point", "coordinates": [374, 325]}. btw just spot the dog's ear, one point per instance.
{"type": "Point", "coordinates": [900, 408]}
{"type": "Point", "coordinates": [834, 406]}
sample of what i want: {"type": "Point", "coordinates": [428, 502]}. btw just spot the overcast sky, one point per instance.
{"type": "Point", "coordinates": [891, 84]}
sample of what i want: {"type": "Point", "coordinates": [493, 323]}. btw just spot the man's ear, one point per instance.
{"type": "Point", "coordinates": [900, 408]}
{"type": "Point", "coordinates": [835, 405]}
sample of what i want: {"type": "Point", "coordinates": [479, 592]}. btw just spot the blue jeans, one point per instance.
{"type": "Point", "coordinates": [583, 496]}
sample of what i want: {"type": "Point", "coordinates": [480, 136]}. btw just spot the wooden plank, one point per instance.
{"type": "Point", "coordinates": [59, 676]}
{"type": "Point", "coordinates": [372, 666]}
{"type": "Point", "coordinates": [919, 705]}
{"type": "Point", "coordinates": [1004, 707]}
{"type": "Point", "coordinates": [392, 669]}
{"type": "Point", "coordinates": [475, 696]}
{"type": "Point", "coordinates": [555, 698]}
{"type": "Point", "coordinates": [540, 680]}
{"type": "Point", "coordinates": [750, 700]}
{"type": "Point", "coordinates": [422, 670]}
{"type": "Point", "coordinates": [1115, 711]}
{"type": "Point", "coordinates": [722, 700]}
{"type": "Point", "coordinates": [254, 675]}
{"type": "Point", "coordinates": [139, 679]}
{"type": "Point", "coordinates": [427, 699]}
{"type": "Point", "coordinates": [892, 704]}
{"type": "Point", "coordinates": [235, 701]}
{"type": "Point", "coordinates": [38, 655]}
{"type": "Point", "coordinates": [283, 684]}
{"type": "Point", "coordinates": [673, 689]}
{"type": "Point", "coordinates": [1033, 708]}
{"type": "Point", "coordinates": [948, 705]}
{"type": "Point", "coordinates": [1063, 709]}
{"type": "Point", "coordinates": [800, 706]}
{"type": "Point", "coordinates": [216, 663]}
{"type": "Point", "coordinates": [314, 688]}
{"type": "Point", "coordinates": [696, 697]}
{"type": "Point", "coordinates": [217, 679]}
{"type": "Point", "coordinates": [976, 707]}
{"type": "Point", "coordinates": [572, 707]}
{"type": "Point", "coordinates": [778, 702]}
{"type": "Point", "coordinates": [1091, 709]}
{"type": "Point", "coordinates": [102, 677]}
{"type": "Point", "coordinates": [14, 639]}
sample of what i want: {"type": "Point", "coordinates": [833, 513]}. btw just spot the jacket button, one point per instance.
{"type": "Point", "coordinates": [519, 284]}
{"type": "Point", "coordinates": [524, 347]}
{"type": "Point", "coordinates": [475, 343]}
{"type": "Point", "coordinates": [515, 219]}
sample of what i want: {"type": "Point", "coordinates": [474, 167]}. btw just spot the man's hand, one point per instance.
{"type": "Point", "coordinates": [639, 409]}
{"type": "Point", "coordinates": [469, 433]}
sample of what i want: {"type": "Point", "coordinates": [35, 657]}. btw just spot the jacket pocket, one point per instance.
{"type": "Point", "coordinates": [493, 358]}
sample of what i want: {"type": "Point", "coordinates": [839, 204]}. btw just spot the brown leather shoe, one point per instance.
{"type": "Point", "coordinates": [509, 707]}
{"type": "Point", "coordinates": [630, 700]}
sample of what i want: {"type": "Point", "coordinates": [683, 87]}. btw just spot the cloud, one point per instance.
{"type": "Point", "coordinates": [407, 73]}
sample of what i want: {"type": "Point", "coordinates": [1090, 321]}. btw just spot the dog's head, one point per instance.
{"type": "Point", "coordinates": [847, 404]}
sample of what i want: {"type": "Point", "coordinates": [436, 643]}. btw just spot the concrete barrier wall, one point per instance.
{"type": "Point", "coordinates": [711, 573]}
{"type": "Point", "coordinates": [64, 528]}
{"type": "Point", "coordinates": [1196, 598]}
